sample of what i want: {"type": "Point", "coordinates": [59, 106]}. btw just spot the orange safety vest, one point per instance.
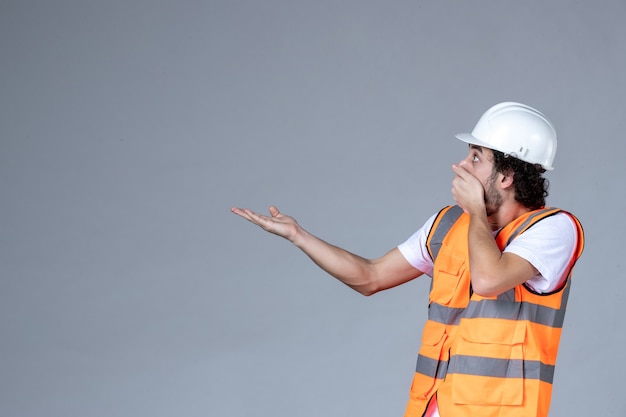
{"type": "Point", "coordinates": [486, 356]}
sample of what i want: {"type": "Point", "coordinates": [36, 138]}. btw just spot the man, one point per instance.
{"type": "Point", "coordinates": [501, 265]}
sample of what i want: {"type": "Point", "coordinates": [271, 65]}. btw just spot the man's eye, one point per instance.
{"type": "Point", "coordinates": [475, 158]}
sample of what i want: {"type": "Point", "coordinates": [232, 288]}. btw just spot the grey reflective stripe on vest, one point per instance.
{"type": "Point", "coordinates": [431, 367]}
{"type": "Point", "coordinates": [445, 315]}
{"type": "Point", "coordinates": [481, 366]}
{"type": "Point", "coordinates": [507, 295]}
{"type": "Point", "coordinates": [512, 310]}
{"type": "Point", "coordinates": [528, 221]}
{"type": "Point", "coordinates": [501, 368]}
{"type": "Point", "coordinates": [504, 307]}
{"type": "Point", "coordinates": [446, 222]}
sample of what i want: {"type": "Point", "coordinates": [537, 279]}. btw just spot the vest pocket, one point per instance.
{"type": "Point", "coordinates": [488, 362]}
{"type": "Point", "coordinates": [432, 361]}
{"type": "Point", "coordinates": [449, 270]}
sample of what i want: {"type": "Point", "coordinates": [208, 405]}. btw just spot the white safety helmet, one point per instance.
{"type": "Point", "coordinates": [517, 130]}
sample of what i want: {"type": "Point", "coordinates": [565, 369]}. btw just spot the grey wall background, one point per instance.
{"type": "Point", "coordinates": [128, 130]}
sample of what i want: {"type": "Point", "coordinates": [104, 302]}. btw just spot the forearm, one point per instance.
{"type": "Point", "coordinates": [355, 271]}
{"type": "Point", "coordinates": [484, 255]}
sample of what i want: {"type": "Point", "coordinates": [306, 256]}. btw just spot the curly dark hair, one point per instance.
{"type": "Point", "coordinates": [531, 188]}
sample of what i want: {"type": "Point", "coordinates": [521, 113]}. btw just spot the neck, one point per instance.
{"type": "Point", "coordinates": [506, 214]}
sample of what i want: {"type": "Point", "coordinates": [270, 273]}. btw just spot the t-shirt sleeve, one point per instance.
{"type": "Point", "coordinates": [414, 248]}
{"type": "Point", "coordinates": [549, 246]}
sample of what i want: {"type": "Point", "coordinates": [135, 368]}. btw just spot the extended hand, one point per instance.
{"type": "Point", "coordinates": [278, 223]}
{"type": "Point", "coordinates": [467, 190]}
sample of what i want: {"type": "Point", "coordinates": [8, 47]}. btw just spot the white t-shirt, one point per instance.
{"type": "Point", "coordinates": [548, 245]}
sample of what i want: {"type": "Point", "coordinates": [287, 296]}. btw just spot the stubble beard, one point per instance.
{"type": "Point", "coordinates": [493, 198]}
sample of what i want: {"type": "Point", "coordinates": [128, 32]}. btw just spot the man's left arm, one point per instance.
{"type": "Point", "coordinates": [492, 271]}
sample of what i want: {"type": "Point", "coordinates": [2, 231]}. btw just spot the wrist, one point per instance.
{"type": "Point", "coordinates": [476, 210]}
{"type": "Point", "coordinates": [298, 236]}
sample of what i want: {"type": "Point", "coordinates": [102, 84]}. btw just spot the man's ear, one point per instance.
{"type": "Point", "coordinates": [507, 179]}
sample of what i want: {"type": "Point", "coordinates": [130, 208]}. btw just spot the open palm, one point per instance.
{"type": "Point", "coordinates": [277, 223]}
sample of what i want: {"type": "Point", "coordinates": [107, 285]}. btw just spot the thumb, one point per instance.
{"type": "Point", "coordinates": [274, 211]}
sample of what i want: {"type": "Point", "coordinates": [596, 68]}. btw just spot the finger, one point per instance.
{"type": "Point", "coordinates": [459, 171]}
{"type": "Point", "coordinates": [274, 211]}
{"type": "Point", "coordinates": [238, 211]}
{"type": "Point", "coordinates": [241, 213]}
{"type": "Point", "coordinates": [248, 214]}
{"type": "Point", "coordinates": [255, 217]}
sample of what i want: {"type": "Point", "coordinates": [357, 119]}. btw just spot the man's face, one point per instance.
{"type": "Point", "coordinates": [479, 163]}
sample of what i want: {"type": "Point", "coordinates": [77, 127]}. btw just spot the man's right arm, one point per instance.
{"type": "Point", "coordinates": [367, 276]}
